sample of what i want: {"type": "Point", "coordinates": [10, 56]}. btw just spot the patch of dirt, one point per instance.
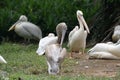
{"type": "Point", "coordinates": [94, 67]}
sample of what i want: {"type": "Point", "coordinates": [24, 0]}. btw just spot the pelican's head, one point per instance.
{"type": "Point", "coordinates": [53, 66]}
{"type": "Point", "coordinates": [79, 12]}
{"type": "Point", "coordinates": [81, 18]}
{"type": "Point", "coordinates": [23, 18]}
{"type": "Point", "coordinates": [61, 30]}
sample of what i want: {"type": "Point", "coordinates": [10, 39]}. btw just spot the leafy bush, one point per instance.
{"type": "Point", "coordinates": [106, 19]}
{"type": "Point", "coordinates": [44, 13]}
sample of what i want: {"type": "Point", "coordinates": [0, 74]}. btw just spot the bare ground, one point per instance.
{"type": "Point", "coordinates": [94, 67]}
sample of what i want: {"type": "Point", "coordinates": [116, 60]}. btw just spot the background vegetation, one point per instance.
{"type": "Point", "coordinates": [101, 16]}
{"type": "Point", "coordinates": [107, 18]}
{"type": "Point", "coordinates": [44, 13]}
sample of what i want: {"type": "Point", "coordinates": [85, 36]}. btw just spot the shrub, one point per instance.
{"type": "Point", "coordinates": [44, 13]}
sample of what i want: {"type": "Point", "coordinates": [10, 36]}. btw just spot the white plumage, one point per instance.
{"type": "Point", "coordinates": [105, 51]}
{"type": "Point", "coordinates": [71, 33]}
{"type": "Point", "coordinates": [77, 37]}
{"type": "Point", "coordinates": [2, 60]}
{"type": "Point", "coordinates": [54, 53]}
{"type": "Point", "coordinates": [116, 34]}
{"type": "Point", "coordinates": [50, 39]}
{"type": "Point", "coordinates": [26, 29]}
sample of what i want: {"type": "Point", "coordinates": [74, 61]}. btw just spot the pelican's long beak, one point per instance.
{"type": "Point", "coordinates": [13, 26]}
{"type": "Point", "coordinates": [63, 35]}
{"type": "Point", "coordinates": [83, 21]}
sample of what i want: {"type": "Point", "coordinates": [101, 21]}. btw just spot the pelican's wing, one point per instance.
{"type": "Point", "coordinates": [2, 60]}
{"type": "Point", "coordinates": [45, 42]}
{"type": "Point", "coordinates": [62, 55]}
{"type": "Point", "coordinates": [55, 52]}
{"type": "Point", "coordinates": [100, 47]}
{"type": "Point", "coordinates": [102, 55]}
{"type": "Point", "coordinates": [71, 33]}
{"type": "Point", "coordinates": [32, 29]}
{"type": "Point", "coordinates": [69, 37]}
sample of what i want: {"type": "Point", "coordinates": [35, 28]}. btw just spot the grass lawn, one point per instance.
{"type": "Point", "coordinates": [23, 63]}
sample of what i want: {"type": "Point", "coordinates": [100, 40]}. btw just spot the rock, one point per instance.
{"type": "Point", "coordinates": [117, 65]}
{"type": "Point", "coordinates": [86, 67]}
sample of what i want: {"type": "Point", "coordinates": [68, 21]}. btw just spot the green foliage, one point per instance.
{"type": "Point", "coordinates": [106, 19]}
{"type": "Point", "coordinates": [44, 13]}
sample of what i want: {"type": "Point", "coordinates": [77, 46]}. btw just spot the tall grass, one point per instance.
{"type": "Point", "coordinates": [24, 63]}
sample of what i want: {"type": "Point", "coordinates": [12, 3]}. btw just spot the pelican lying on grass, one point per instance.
{"type": "Point", "coordinates": [77, 37]}
{"type": "Point", "coordinates": [26, 29]}
{"type": "Point", "coordinates": [116, 34]}
{"type": "Point", "coordinates": [2, 60]}
{"type": "Point", "coordinates": [50, 39]}
{"type": "Point", "coordinates": [105, 51]}
{"type": "Point", "coordinates": [54, 53]}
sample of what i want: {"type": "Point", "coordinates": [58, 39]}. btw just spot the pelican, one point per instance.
{"type": "Point", "coordinates": [54, 53]}
{"type": "Point", "coordinates": [50, 39]}
{"type": "Point", "coordinates": [77, 37]}
{"type": "Point", "coordinates": [2, 60]}
{"type": "Point", "coordinates": [116, 34]}
{"type": "Point", "coordinates": [26, 29]}
{"type": "Point", "coordinates": [105, 51]}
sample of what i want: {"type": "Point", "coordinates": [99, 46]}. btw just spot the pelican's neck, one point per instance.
{"type": "Point", "coordinates": [22, 21]}
{"type": "Point", "coordinates": [59, 39]}
{"type": "Point", "coordinates": [19, 21]}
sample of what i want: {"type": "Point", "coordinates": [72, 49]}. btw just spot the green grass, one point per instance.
{"type": "Point", "coordinates": [23, 62]}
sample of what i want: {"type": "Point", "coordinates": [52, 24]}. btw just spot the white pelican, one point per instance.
{"type": "Point", "coordinates": [116, 34]}
{"type": "Point", "coordinates": [50, 39]}
{"type": "Point", "coordinates": [2, 60]}
{"type": "Point", "coordinates": [105, 51]}
{"type": "Point", "coordinates": [26, 29]}
{"type": "Point", "coordinates": [54, 53]}
{"type": "Point", "coordinates": [77, 37]}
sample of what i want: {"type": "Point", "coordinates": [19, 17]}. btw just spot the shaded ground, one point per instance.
{"type": "Point", "coordinates": [94, 67]}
